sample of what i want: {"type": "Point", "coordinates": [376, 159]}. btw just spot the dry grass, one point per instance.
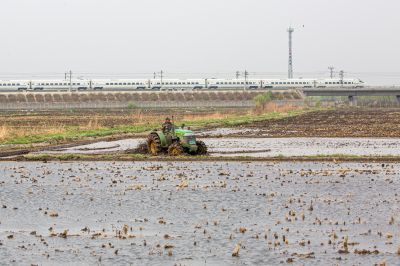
{"type": "Point", "coordinates": [275, 107]}
{"type": "Point", "coordinates": [9, 132]}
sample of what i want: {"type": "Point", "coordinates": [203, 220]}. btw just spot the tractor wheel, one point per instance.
{"type": "Point", "coordinates": [154, 144]}
{"type": "Point", "coordinates": [175, 149]}
{"type": "Point", "coordinates": [201, 148]}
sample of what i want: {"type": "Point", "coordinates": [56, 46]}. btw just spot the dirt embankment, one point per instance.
{"type": "Point", "coordinates": [332, 123]}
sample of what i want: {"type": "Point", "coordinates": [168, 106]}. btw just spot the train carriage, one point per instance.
{"type": "Point", "coordinates": [119, 84]}
{"type": "Point", "coordinates": [177, 84]}
{"type": "Point", "coordinates": [339, 83]}
{"type": "Point", "coordinates": [59, 85]}
{"type": "Point", "coordinates": [232, 84]}
{"type": "Point", "coordinates": [14, 85]}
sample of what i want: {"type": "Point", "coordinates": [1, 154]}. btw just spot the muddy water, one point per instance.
{"type": "Point", "coordinates": [265, 147]}
{"type": "Point", "coordinates": [303, 146]}
{"type": "Point", "coordinates": [195, 213]}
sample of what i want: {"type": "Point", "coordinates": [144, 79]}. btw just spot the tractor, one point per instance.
{"type": "Point", "coordinates": [176, 142]}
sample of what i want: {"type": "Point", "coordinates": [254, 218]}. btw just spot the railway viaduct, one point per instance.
{"type": "Point", "coordinates": [353, 93]}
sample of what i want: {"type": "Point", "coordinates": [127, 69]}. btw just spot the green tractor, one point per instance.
{"type": "Point", "coordinates": [176, 142]}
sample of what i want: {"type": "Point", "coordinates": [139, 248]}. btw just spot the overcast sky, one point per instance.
{"type": "Point", "coordinates": [198, 36]}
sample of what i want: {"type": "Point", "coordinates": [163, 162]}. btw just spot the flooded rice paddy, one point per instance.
{"type": "Point", "coordinates": [264, 147]}
{"type": "Point", "coordinates": [199, 213]}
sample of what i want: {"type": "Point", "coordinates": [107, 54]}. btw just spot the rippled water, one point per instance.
{"type": "Point", "coordinates": [197, 208]}
{"type": "Point", "coordinates": [265, 147]}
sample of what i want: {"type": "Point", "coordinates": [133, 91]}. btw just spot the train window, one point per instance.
{"type": "Point", "coordinates": [107, 83]}
{"type": "Point", "coordinates": [47, 84]}
{"type": "Point", "coordinates": [1, 84]}
{"type": "Point", "coordinates": [124, 83]}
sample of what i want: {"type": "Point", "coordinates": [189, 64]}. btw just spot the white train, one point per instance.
{"type": "Point", "coordinates": [174, 84]}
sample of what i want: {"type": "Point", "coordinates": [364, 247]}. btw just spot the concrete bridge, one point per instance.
{"type": "Point", "coordinates": [352, 93]}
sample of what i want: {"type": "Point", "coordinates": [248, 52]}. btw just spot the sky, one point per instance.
{"type": "Point", "coordinates": [199, 38]}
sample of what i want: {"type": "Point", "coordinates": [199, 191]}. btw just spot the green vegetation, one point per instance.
{"type": "Point", "coordinates": [262, 100]}
{"type": "Point", "coordinates": [75, 133]}
{"type": "Point", "coordinates": [131, 106]}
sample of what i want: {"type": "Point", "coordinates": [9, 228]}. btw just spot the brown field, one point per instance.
{"type": "Point", "coordinates": [335, 123]}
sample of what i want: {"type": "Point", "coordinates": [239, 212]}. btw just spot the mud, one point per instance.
{"type": "Point", "coordinates": [198, 213]}
{"type": "Point", "coordinates": [333, 123]}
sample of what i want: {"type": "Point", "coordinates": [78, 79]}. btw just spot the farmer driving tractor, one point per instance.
{"type": "Point", "coordinates": [167, 126]}
{"type": "Point", "coordinates": [174, 140]}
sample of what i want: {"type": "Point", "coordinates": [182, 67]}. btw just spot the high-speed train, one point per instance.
{"type": "Point", "coordinates": [174, 84]}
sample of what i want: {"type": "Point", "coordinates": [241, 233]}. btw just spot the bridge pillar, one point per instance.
{"type": "Point", "coordinates": [353, 100]}
{"type": "Point", "coordinates": [398, 99]}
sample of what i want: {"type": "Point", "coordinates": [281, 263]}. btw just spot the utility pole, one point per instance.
{"type": "Point", "coordinates": [161, 76]}
{"type": "Point", "coordinates": [154, 75]}
{"type": "Point", "coordinates": [331, 68]}
{"type": "Point", "coordinates": [290, 30]}
{"type": "Point", "coordinates": [341, 75]}
{"type": "Point", "coordinates": [246, 74]}
{"type": "Point", "coordinates": [237, 74]}
{"type": "Point", "coordinates": [70, 80]}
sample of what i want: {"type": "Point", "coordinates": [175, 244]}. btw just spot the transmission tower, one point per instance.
{"type": "Point", "coordinates": [331, 68]}
{"type": "Point", "coordinates": [290, 70]}
{"type": "Point", "coordinates": [246, 75]}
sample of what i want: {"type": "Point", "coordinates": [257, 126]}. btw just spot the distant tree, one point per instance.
{"type": "Point", "coordinates": [262, 100]}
